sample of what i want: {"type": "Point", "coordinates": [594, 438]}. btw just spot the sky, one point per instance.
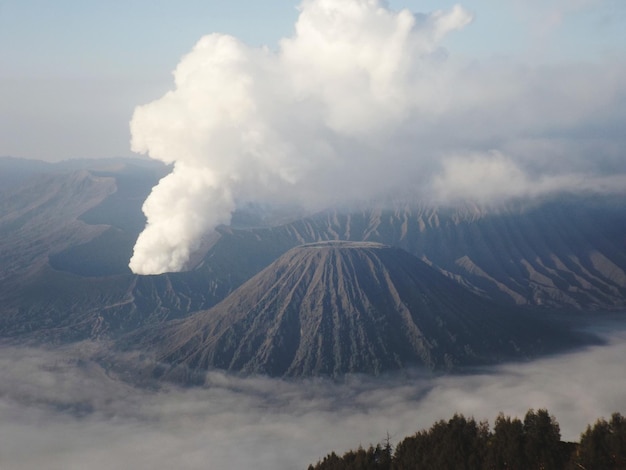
{"type": "Point", "coordinates": [72, 72]}
{"type": "Point", "coordinates": [60, 411]}
{"type": "Point", "coordinates": [320, 102]}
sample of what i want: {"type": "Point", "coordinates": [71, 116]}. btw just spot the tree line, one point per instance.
{"type": "Point", "coordinates": [463, 444]}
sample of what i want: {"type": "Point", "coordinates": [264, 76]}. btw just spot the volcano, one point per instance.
{"type": "Point", "coordinates": [333, 308]}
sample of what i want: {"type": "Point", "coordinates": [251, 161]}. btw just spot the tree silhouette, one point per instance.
{"type": "Point", "coordinates": [463, 444]}
{"type": "Point", "coordinates": [542, 441]}
{"type": "Point", "coordinates": [603, 446]}
{"type": "Point", "coordinates": [459, 443]}
{"type": "Point", "coordinates": [506, 449]}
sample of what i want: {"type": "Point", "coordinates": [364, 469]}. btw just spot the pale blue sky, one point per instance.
{"type": "Point", "coordinates": [71, 71]}
{"type": "Point", "coordinates": [124, 37]}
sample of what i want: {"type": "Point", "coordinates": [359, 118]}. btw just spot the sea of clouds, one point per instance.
{"type": "Point", "coordinates": [59, 410]}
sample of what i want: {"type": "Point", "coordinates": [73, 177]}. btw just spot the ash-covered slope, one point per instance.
{"type": "Point", "coordinates": [567, 253]}
{"type": "Point", "coordinates": [344, 307]}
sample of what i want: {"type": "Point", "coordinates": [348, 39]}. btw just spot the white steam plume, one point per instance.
{"type": "Point", "coordinates": [247, 123]}
{"type": "Point", "coordinates": [362, 100]}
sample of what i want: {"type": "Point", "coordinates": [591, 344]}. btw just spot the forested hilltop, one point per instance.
{"type": "Point", "coordinates": [463, 443]}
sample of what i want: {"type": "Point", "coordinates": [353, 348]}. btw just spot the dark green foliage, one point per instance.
{"type": "Point", "coordinates": [603, 446]}
{"type": "Point", "coordinates": [506, 446]}
{"type": "Point", "coordinates": [459, 443]}
{"type": "Point", "coordinates": [463, 444]}
{"type": "Point", "coordinates": [542, 439]}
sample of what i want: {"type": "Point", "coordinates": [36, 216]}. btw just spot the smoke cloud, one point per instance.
{"type": "Point", "coordinates": [360, 101]}
{"type": "Point", "coordinates": [58, 410]}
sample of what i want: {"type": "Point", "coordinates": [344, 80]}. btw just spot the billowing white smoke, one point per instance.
{"type": "Point", "coordinates": [253, 124]}
{"type": "Point", "coordinates": [362, 100]}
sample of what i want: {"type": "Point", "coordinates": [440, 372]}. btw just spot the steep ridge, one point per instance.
{"type": "Point", "coordinates": [332, 308]}
{"type": "Point", "coordinates": [562, 253]}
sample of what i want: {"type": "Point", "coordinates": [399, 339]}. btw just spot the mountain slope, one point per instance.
{"type": "Point", "coordinates": [562, 253]}
{"type": "Point", "coordinates": [42, 216]}
{"type": "Point", "coordinates": [345, 307]}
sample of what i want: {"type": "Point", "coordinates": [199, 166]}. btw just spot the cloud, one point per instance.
{"type": "Point", "coordinates": [360, 101]}
{"type": "Point", "coordinates": [493, 177]}
{"type": "Point", "coordinates": [246, 123]}
{"type": "Point", "coordinates": [59, 410]}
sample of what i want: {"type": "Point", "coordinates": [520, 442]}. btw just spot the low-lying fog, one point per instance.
{"type": "Point", "coordinates": [57, 412]}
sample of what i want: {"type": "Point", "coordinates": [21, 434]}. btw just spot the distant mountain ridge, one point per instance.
{"type": "Point", "coordinates": [560, 253]}
{"type": "Point", "coordinates": [68, 234]}
{"type": "Point", "coordinates": [332, 308]}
